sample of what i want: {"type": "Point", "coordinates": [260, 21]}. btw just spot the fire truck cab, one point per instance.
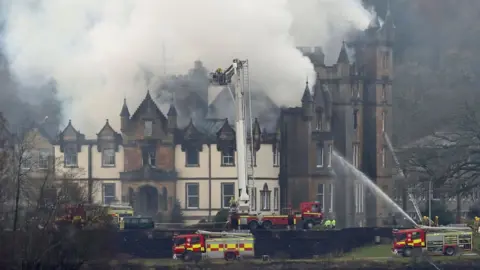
{"type": "Point", "coordinates": [203, 244]}
{"type": "Point", "coordinates": [435, 240]}
{"type": "Point", "coordinates": [310, 214]}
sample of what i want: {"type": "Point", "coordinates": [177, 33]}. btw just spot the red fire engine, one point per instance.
{"type": "Point", "coordinates": [309, 215]}
{"type": "Point", "coordinates": [203, 244]}
{"type": "Point", "coordinates": [438, 240]}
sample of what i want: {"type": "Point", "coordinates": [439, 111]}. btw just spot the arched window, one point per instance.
{"type": "Point", "coordinates": [265, 198]}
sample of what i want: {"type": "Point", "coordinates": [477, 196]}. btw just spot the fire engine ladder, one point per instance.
{"type": "Point", "coordinates": [224, 234]}
{"type": "Point", "coordinates": [402, 174]}
{"type": "Point", "coordinates": [250, 151]}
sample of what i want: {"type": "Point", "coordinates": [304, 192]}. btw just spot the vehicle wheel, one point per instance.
{"type": "Point", "coordinates": [230, 256]}
{"type": "Point", "coordinates": [267, 225]}
{"type": "Point", "coordinates": [187, 256]}
{"type": "Point", "coordinates": [450, 251]}
{"type": "Point", "coordinates": [407, 252]}
{"type": "Point", "coordinates": [308, 225]}
{"type": "Point", "coordinates": [253, 225]}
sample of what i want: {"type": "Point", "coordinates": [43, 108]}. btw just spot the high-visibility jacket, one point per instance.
{"type": "Point", "coordinates": [333, 222]}
{"type": "Point", "coordinates": [328, 222]}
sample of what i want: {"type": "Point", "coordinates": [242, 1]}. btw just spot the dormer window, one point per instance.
{"type": "Point", "coordinates": [71, 156]}
{"type": "Point", "coordinates": [228, 158]}
{"type": "Point", "coordinates": [192, 158]}
{"type": "Point", "coordinates": [148, 129]}
{"type": "Point", "coordinates": [108, 158]}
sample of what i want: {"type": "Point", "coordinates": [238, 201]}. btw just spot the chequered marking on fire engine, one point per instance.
{"type": "Point", "coordinates": [215, 247]}
{"type": "Point", "coordinates": [245, 247]}
{"type": "Point", "coordinates": [231, 246]}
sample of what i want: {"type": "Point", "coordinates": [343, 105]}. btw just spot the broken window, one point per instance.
{"type": "Point", "coordinates": [71, 156]}
{"type": "Point", "coordinates": [192, 157]}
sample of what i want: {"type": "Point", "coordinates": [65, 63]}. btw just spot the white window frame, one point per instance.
{"type": "Point", "coordinates": [27, 160]}
{"type": "Point", "coordinates": [276, 158]}
{"type": "Point", "coordinates": [330, 153]}
{"type": "Point", "coordinates": [265, 197]}
{"type": "Point", "coordinates": [148, 128]}
{"type": "Point", "coordinates": [276, 199]}
{"type": "Point", "coordinates": [319, 155]}
{"type": "Point", "coordinates": [108, 154]}
{"type": "Point", "coordinates": [356, 156]}
{"type": "Point", "coordinates": [189, 196]}
{"type": "Point", "coordinates": [69, 153]}
{"type": "Point", "coordinates": [228, 158]}
{"type": "Point", "coordinates": [332, 196]}
{"type": "Point", "coordinates": [384, 92]}
{"type": "Point", "coordinates": [105, 196]}
{"type": "Point", "coordinates": [43, 158]}
{"type": "Point", "coordinates": [230, 196]}
{"type": "Point", "coordinates": [322, 194]}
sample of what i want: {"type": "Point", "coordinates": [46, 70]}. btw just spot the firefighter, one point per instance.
{"type": "Point", "coordinates": [333, 223]}
{"type": "Point", "coordinates": [436, 221]}
{"type": "Point", "coordinates": [327, 224]}
{"type": "Point", "coordinates": [315, 209]}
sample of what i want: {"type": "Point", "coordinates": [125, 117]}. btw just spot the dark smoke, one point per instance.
{"type": "Point", "coordinates": [23, 106]}
{"type": "Point", "coordinates": [189, 93]}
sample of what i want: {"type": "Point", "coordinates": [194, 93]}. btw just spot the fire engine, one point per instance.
{"type": "Point", "coordinates": [204, 244]}
{"type": "Point", "coordinates": [436, 240]}
{"type": "Point", "coordinates": [240, 212]}
{"type": "Point", "coordinates": [310, 214]}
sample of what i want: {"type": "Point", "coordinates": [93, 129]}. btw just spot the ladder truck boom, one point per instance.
{"type": "Point", "coordinates": [233, 75]}
{"type": "Point", "coordinates": [224, 234]}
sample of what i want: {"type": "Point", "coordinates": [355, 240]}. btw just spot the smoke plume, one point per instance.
{"type": "Point", "coordinates": [98, 51]}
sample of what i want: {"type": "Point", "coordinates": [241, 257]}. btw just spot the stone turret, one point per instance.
{"type": "Point", "coordinates": [172, 118]}
{"type": "Point", "coordinates": [124, 116]}
{"type": "Point", "coordinates": [307, 103]}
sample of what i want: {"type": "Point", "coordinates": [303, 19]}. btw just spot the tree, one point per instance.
{"type": "Point", "coordinates": [439, 210]}
{"type": "Point", "coordinates": [176, 215]}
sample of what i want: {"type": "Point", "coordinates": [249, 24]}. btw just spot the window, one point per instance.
{"type": "Point", "coordinates": [386, 59]}
{"type": "Point", "coordinates": [319, 121]}
{"type": "Point", "coordinates": [148, 131]}
{"type": "Point", "coordinates": [383, 157]}
{"type": "Point", "coordinates": [321, 194]}
{"type": "Point", "coordinates": [70, 156]}
{"type": "Point", "coordinates": [108, 158]}
{"type": "Point", "coordinates": [355, 118]}
{"type": "Point", "coordinates": [384, 92]}
{"type": "Point", "coordinates": [27, 160]}
{"type": "Point", "coordinates": [108, 193]}
{"type": "Point", "coordinates": [319, 155]}
{"type": "Point", "coordinates": [384, 121]}
{"type": "Point", "coordinates": [228, 193]}
{"type": "Point", "coordinates": [192, 157]}
{"type": "Point", "coordinates": [359, 198]}
{"type": "Point", "coordinates": [192, 190]}
{"type": "Point", "coordinates": [330, 153]}
{"type": "Point", "coordinates": [356, 156]}
{"type": "Point", "coordinates": [332, 196]}
{"type": "Point", "coordinates": [253, 199]}
{"type": "Point", "coordinates": [152, 159]}
{"type": "Point", "coordinates": [276, 157]}
{"type": "Point", "coordinates": [276, 199]}
{"type": "Point", "coordinates": [43, 157]}
{"type": "Point", "coordinates": [265, 198]}
{"type": "Point", "coordinates": [228, 158]}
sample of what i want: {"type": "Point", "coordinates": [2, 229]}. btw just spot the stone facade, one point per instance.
{"type": "Point", "coordinates": [345, 113]}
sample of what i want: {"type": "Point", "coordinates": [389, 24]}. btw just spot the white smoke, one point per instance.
{"type": "Point", "coordinates": [98, 50]}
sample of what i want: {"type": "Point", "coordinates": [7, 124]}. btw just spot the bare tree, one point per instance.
{"type": "Point", "coordinates": [450, 160]}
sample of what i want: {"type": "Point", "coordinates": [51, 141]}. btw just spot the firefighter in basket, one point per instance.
{"type": "Point", "coordinates": [234, 218]}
